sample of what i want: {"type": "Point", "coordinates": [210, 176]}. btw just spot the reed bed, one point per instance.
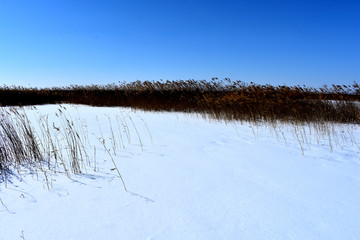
{"type": "Point", "coordinates": [221, 99]}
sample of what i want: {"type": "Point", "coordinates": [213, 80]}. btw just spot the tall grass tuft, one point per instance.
{"type": "Point", "coordinates": [49, 147]}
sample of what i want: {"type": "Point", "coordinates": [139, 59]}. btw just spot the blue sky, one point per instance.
{"type": "Point", "coordinates": [64, 42]}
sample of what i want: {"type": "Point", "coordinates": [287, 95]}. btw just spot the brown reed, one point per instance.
{"type": "Point", "coordinates": [221, 99]}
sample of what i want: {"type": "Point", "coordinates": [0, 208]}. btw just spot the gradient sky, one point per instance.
{"type": "Point", "coordinates": [63, 42]}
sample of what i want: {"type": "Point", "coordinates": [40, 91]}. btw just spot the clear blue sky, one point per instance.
{"type": "Point", "coordinates": [63, 42]}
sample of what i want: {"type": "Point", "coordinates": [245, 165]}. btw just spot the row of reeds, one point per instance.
{"type": "Point", "coordinates": [222, 99]}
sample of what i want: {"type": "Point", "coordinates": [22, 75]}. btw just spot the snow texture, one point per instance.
{"type": "Point", "coordinates": [193, 179]}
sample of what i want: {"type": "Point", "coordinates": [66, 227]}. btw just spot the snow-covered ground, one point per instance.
{"type": "Point", "coordinates": [191, 178]}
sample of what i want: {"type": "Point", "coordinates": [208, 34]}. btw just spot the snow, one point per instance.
{"type": "Point", "coordinates": [192, 178]}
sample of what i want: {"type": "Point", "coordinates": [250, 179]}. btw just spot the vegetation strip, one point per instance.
{"type": "Point", "coordinates": [221, 99]}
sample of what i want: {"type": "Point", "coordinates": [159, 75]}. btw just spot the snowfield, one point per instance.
{"type": "Point", "coordinates": [190, 178]}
